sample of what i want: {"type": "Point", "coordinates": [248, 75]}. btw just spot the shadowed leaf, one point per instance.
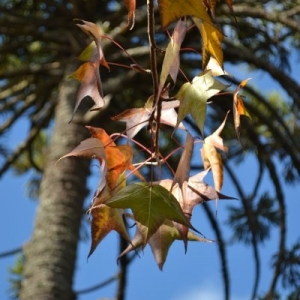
{"type": "Point", "coordinates": [150, 205]}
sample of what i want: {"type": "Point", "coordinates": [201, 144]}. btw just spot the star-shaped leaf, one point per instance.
{"type": "Point", "coordinates": [212, 38]}
{"type": "Point", "coordinates": [193, 97]}
{"type": "Point", "coordinates": [137, 118]}
{"type": "Point", "coordinates": [161, 241]}
{"type": "Point", "coordinates": [151, 205]}
{"type": "Point", "coordinates": [172, 10]}
{"type": "Point", "coordinates": [104, 220]}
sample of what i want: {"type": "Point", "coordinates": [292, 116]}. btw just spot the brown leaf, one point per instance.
{"type": "Point", "coordinates": [183, 169]}
{"type": "Point", "coordinates": [91, 86]}
{"type": "Point", "coordinates": [137, 118]}
{"type": "Point", "coordinates": [95, 32]}
{"type": "Point", "coordinates": [92, 148]}
{"type": "Point", "coordinates": [171, 61]}
{"type": "Point", "coordinates": [211, 157]}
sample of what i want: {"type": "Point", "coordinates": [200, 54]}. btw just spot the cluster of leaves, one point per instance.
{"type": "Point", "coordinates": [161, 209]}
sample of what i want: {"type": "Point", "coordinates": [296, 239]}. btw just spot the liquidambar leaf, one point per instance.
{"type": "Point", "coordinates": [238, 107]}
{"type": "Point", "coordinates": [89, 76]}
{"type": "Point", "coordinates": [104, 220]}
{"type": "Point", "coordinates": [151, 205]}
{"type": "Point", "coordinates": [193, 97]}
{"type": "Point", "coordinates": [171, 61]}
{"type": "Point", "coordinates": [161, 241]}
{"type": "Point", "coordinates": [172, 10]}
{"type": "Point", "coordinates": [130, 5]}
{"type": "Point", "coordinates": [211, 157]}
{"type": "Point", "coordinates": [119, 158]}
{"type": "Point", "coordinates": [137, 118]}
{"type": "Point", "coordinates": [212, 38]}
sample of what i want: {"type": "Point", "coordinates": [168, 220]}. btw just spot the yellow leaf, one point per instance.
{"type": "Point", "coordinates": [212, 38]}
{"type": "Point", "coordinates": [172, 10]}
{"type": "Point", "coordinates": [104, 220]}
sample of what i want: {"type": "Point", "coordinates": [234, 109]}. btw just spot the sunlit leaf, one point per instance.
{"type": "Point", "coordinates": [172, 10]}
{"type": "Point", "coordinates": [104, 220]}
{"type": "Point", "coordinates": [137, 118]}
{"type": "Point", "coordinates": [211, 157]}
{"type": "Point", "coordinates": [171, 61]}
{"type": "Point", "coordinates": [193, 97]}
{"type": "Point", "coordinates": [118, 157]}
{"type": "Point", "coordinates": [212, 38]}
{"type": "Point", "coordinates": [238, 107]}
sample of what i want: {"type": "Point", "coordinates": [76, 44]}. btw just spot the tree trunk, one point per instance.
{"type": "Point", "coordinates": [50, 255]}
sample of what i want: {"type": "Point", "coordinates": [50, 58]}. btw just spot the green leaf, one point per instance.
{"type": "Point", "coordinates": [151, 206]}
{"type": "Point", "coordinates": [193, 97]}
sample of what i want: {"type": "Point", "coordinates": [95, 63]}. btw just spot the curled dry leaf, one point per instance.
{"type": "Point", "coordinates": [171, 61]}
{"type": "Point", "coordinates": [137, 118]}
{"type": "Point", "coordinates": [130, 5]}
{"type": "Point", "coordinates": [238, 107]}
{"type": "Point", "coordinates": [211, 157]}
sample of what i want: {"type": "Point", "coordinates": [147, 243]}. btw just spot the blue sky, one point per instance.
{"type": "Point", "coordinates": [191, 276]}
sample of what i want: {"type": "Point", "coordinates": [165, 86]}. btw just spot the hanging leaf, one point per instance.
{"type": "Point", "coordinates": [161, 241]}
{"type": "Point", "coordinates": [91, 86]}
{"type": "Point", "coordinates": [137, 118]}
{"type": "Point", "coordinates": [92, 148]}
{"type": "Point", "coordinates": [119, 158]}
{"type": "Point", "coordinates": [183, 169]}
{"type": "Point", "coordinates": [211, 157]}
{"type": "Point", "coordinates": [150, 204]}
{"type": "Point", "coordinates": [95, 32]}
{"type": "Point", "coordinates": [171, 61]}
{"type": "Point", "coordinates": [130, 5]}
{"type": "Point", "coordinates": [238, 107]}
{"type": "Point", "coordinates": [212, 38]}
{"type": "Point", "coordinates": [104, 220]}
{"type": "Point", "coordinates": [193, 97]}
{"type": "Point", "coordinates": [172, 10]}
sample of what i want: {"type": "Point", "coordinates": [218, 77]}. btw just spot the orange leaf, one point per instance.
{"type": "Point", "coordinates": [130, 5]}
{"type": "Point", "coordinates": [104, 220]}
{"type": "Point", "coordinates": [238, 107]}
{"type": "Point", "coordinates": [118, 158]}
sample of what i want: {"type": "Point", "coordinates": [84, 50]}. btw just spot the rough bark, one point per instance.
{"type": "Point", "coordinates": [51, 253]}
